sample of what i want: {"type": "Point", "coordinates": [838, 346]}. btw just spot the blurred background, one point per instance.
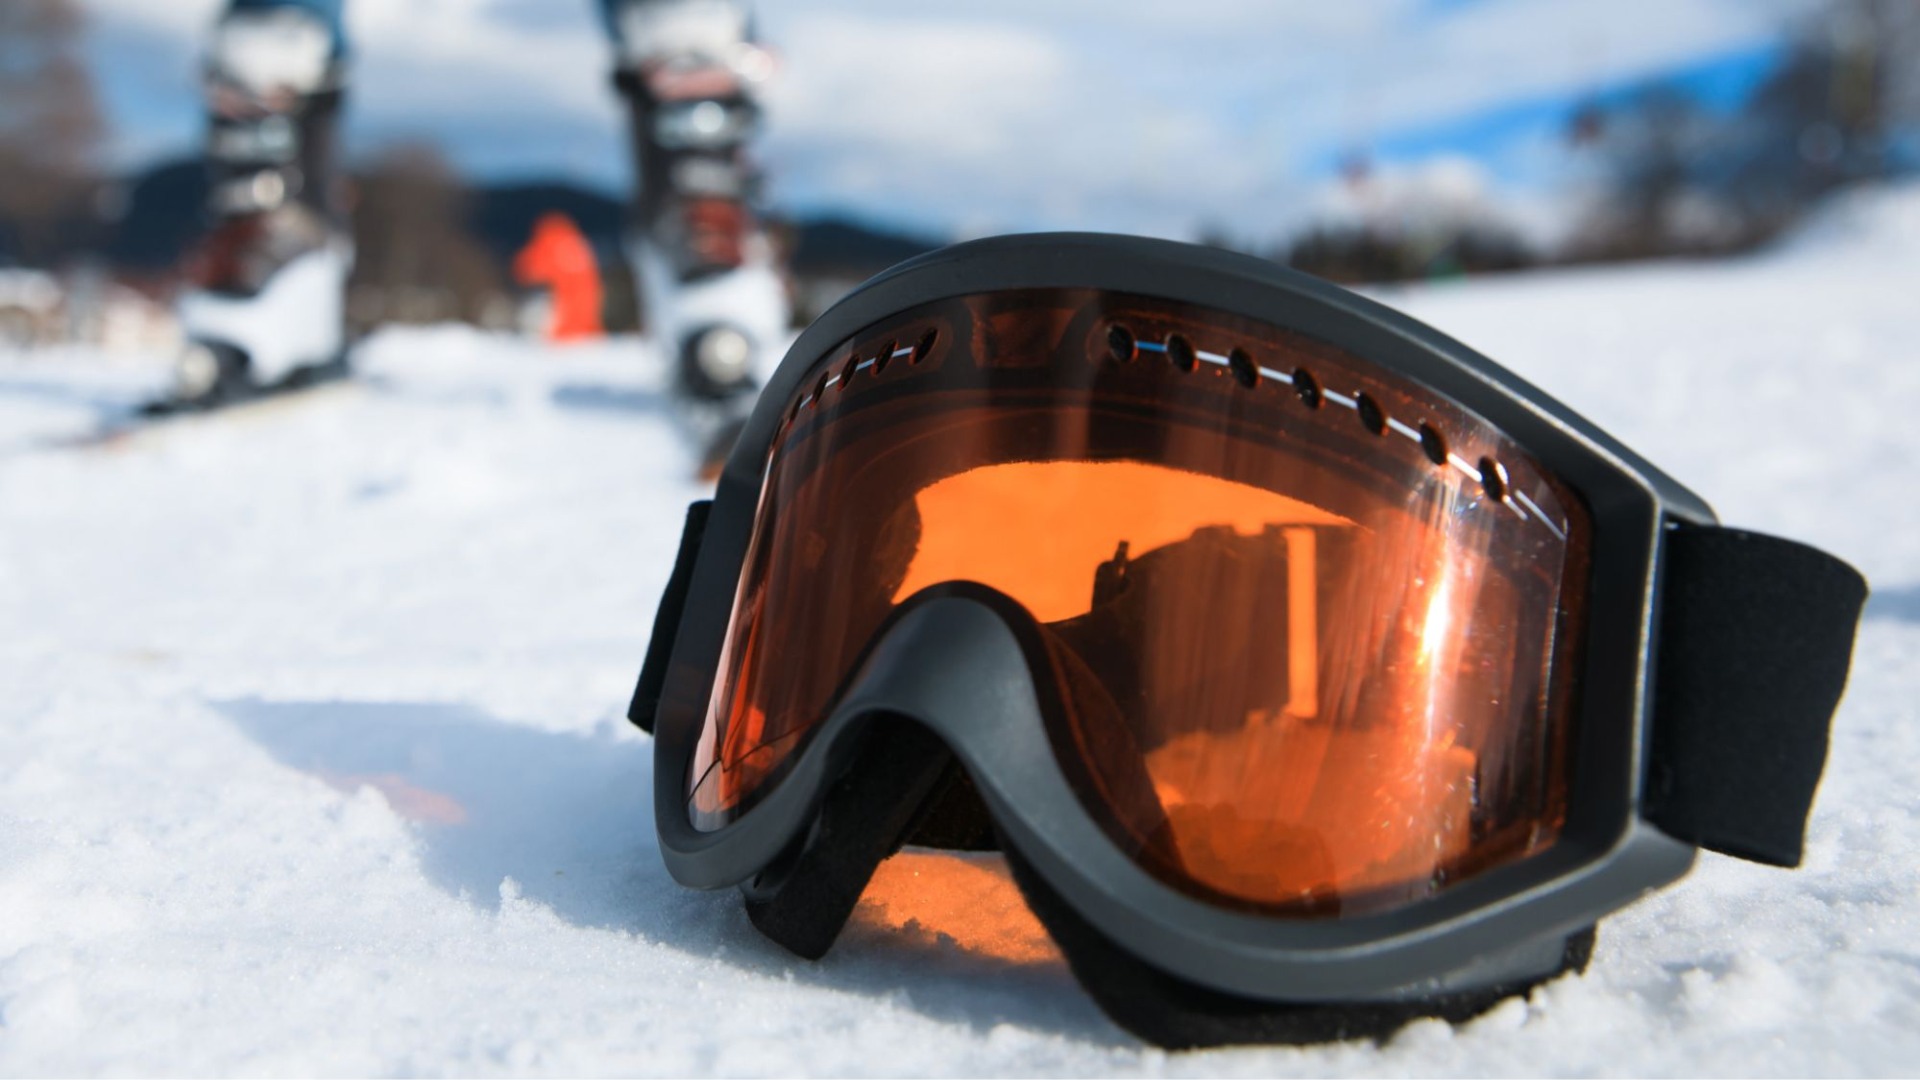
{"type": "Point", "coordinates": [1378, 141]}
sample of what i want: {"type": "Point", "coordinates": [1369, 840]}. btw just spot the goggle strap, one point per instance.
{"type": "Point", "coordinates": [1755, 637]}
{"type": "Point", "coordinates": [901, 773]}
{"type": "Point", "coordinates": [666, 620]}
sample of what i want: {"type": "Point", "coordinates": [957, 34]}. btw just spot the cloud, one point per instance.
{"type": "Point", "coordinates": [430, 57]}
{"type": "Point", "coordinates": [1001, 123]}
{"type": "Point", "coordinates": [516, 87]}
{"type": "Point", "coordinates": [1160, 117]}
{"type": "Point", "coordinates": [996, 114]}
{"type": "Point", "coordinates": [938, 90]}
{"type": "Point", "coordinates": [182, 21]}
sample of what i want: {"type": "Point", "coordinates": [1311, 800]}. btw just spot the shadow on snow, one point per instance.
{"type": "Point", "coordinates": [617, 399]}
{"type": "Point", "coordinates": [569, 817]}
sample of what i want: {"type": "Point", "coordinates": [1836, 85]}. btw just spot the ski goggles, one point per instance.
{"type": "Point", "coordinates": [1312, 672]}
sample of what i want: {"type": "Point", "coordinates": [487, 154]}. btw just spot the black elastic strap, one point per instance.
{"type": "Point", "coordinates": [1756, 634]}
{"type": "Point", "coordinates": [901, 773]}
{"type": "Point", "coordinates": [666, 621]}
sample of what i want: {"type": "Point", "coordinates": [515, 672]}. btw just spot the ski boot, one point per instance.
{"type": "Point", "coordinates": [266, 308]}
{"type": "Point", "coordinates": [713, 295]}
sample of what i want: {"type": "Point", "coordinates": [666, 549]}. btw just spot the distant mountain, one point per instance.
{"type": "Point", "coordinates": [163, 217]}
{"type": "Point", "coordinates": [839, 245]}
{"type": "Point", "coordinates": [502, 216]}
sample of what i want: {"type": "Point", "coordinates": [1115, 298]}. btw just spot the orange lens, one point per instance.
{"type": "Point", "coordinates": [1310, 622]}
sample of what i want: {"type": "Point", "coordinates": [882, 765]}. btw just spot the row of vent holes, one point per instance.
{"type": "Point", "coordinates": [1181, 354]}
{"type": "Point", "coordinates": [880, 361]}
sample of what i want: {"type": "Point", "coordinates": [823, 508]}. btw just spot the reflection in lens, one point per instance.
{"type": "Point", "coordinates": [1070, 516]}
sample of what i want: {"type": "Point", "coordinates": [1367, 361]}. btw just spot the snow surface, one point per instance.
{"type": "Point", "coordinates": [313, 760]}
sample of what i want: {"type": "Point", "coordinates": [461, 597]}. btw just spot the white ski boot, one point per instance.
{"type": "Point", "coordinates": [266, 311]}
{"type": "Point", "coordinates": [714, 297]}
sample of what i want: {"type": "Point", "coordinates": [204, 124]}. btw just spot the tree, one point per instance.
{"type": "Point", "coordinates": [50, 126]}
{"type": "Point", "coordinates": [1837, 109]}
{"type": "Point", "coordinates": [414, 258]}
{"type": "Point", "coordinates": [1875, 89]}
{"type": "Point", "coordinates": [1656, 145]}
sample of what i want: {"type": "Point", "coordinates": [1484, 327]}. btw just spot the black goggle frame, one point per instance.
{"type": "Point", "coordinates": [1713, 660]}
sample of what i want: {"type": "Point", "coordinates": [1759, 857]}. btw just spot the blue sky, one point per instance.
{"type": "Point", "coordinates": [1006, 114]}
{"type": "Point", "coordinates": [1504, 135]}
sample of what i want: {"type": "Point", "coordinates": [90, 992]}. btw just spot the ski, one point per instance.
{"type": "Point", "coordinates": [167, 412]}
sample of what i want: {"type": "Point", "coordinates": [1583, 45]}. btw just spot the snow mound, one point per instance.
{"type": "Point", "coordinates": [1877, 221]}
{"type": "Point", "coordinates": [314, 760]}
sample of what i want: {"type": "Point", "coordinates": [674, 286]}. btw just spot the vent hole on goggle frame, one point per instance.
{"type": "Point", "coordinates": [884, 357]}
{"type": "Point", "coordinates": [1493, 479]}
{"type": "Point", "coordinates": [1181, 352]}
{"type": "Point", "coordinates": [1307, 387]}
{"type": "Point", "coordinates": [846, 371]}
{"type": "Point", "coordinates": [1433, 444]}
{"type": "Point", "coordinates": [1122, 346]}
{"type": "Point", "coordinates": [1245, 371]}
{"type": "Point", "coordinates": [924, 346]}
{"type": "Point", "coordinates": [820, 386]}
{"type": "Point", "coordinates": [1372, 416]}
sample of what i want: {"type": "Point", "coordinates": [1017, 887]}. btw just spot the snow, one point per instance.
{"type": "Point", "coordinates": [1883, 220]}
{"type": "Point", "coordinates": [28, 289]}
{"type": "Point", "coordinates": [314, 760]}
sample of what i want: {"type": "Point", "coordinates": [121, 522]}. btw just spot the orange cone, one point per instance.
{"type": "Point", "coordinates": [559, 258]}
